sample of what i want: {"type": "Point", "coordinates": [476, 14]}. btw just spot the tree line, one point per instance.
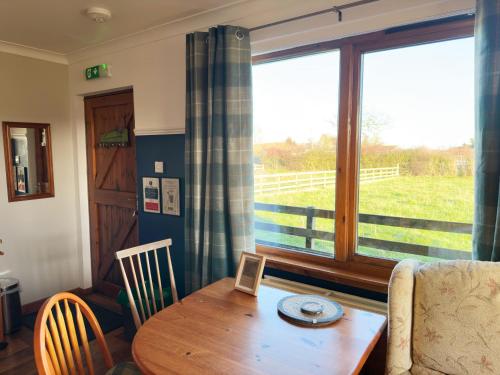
{"type": "Point", "coordinates": [321, 155]}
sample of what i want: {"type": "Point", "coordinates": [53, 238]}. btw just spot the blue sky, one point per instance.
{"type": "Point", "coordinates": [424, 95]}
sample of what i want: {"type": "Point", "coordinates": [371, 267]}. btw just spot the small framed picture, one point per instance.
{"type": "Point", "coordinates": [170, 194]}
{"type": "Point", "coordinates": [151, 194]}
{"type": "Point", "coordinates": [249, 273]}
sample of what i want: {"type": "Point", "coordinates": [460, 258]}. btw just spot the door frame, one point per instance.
{"type": "Point", "coordinates": [87, 229]}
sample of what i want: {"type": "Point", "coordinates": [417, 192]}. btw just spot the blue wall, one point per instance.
{"type": "Point", "coordinates": [154, 227]}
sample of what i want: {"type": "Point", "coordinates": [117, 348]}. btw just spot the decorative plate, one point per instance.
{"type": "Point", "coordinates": [309, 310]}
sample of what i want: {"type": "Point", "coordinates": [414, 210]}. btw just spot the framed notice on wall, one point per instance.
{"type": "Point", "coordinates": [151, 194]}
{"type": "Point", "coordinates": [170, 192]}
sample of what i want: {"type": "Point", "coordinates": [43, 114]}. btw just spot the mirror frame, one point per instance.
{"type": "Point", "coordinates": [7, 147]}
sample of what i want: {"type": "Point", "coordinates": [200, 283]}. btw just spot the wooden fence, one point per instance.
{"type": "Point", "coordinates": [292, 182]}
{"type": "Point", "coordinates": [310, 233]}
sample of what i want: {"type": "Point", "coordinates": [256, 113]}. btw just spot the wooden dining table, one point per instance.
{"type": "Point", "coordinates": [220, 330]}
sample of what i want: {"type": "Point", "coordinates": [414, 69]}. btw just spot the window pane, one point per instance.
{"type": "Point", "coordinates": [417, 152]}
{"type": "Point", "coordinates": [295, 139]}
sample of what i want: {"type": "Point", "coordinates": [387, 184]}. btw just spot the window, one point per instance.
{"type": "Point", "coordinates": [417, 130]}
{"type": "Point", "coordinates": [295, 142]}
{"type": "Point", "coordinates": [364, 151]}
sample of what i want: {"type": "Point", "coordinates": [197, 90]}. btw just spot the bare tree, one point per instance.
{"type": "Point", "coordinates": [371, 126]}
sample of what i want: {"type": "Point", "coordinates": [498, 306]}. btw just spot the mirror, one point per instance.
{"type": "Point", "coordinates": [28, 161]}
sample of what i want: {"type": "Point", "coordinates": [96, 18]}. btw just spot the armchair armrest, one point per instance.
{"type": "Point", "coordinates": [400, 306]}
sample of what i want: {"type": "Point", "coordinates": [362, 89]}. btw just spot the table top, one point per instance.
{"type": "Point", "coordinates": [219, 330]}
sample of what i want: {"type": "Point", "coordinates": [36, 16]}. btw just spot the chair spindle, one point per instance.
{"type": "Point", "coordinates": [144, 289]}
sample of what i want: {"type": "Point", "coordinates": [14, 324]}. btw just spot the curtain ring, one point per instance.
{"type": "Point", "coordinates": [339, 13]}
{"type": "Point", "coordinates": [239, 34]}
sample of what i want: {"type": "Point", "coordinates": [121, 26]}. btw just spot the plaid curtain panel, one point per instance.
{"type": "Point", "coordinates": [486, 234]}
{"type": "Point", "coordinates": [219, 154]}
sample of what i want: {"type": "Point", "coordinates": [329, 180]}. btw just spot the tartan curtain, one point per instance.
{"type": "Point", "coordinates": [219, 157]}
{"type": "Point", "coordinates": [486, 233]}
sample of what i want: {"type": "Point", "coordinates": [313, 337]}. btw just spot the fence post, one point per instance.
{"type": "Point", "coordinates": [309, 225]}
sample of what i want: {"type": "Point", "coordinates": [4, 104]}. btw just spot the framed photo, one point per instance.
{"type": "Point", "coordinates": [21, 179]}
{"type": "Point", "coordinates": [249, 273]}
{"type": "Point", "coordinates": [170, 194]}
{"type": "Point", "coordinates": [151, 194]}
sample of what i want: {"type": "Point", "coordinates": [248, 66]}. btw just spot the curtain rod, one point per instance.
{"type": "Point", "coordinates": [335, 9]}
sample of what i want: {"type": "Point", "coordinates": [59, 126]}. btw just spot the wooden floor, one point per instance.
{"type": "Point", "coordinates": [17, 358]}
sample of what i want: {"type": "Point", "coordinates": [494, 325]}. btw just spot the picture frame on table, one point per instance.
{"type": "Point", "coordinates": [249, 273]}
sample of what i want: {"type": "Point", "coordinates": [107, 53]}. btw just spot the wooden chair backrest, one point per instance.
{"type": "Point", "coordinates": [143, 298]}
{"type": "Point", "coordinates": [57, 349]}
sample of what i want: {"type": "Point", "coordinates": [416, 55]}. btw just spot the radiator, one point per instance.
{"type": "Point", "coordinates": [343, 298]}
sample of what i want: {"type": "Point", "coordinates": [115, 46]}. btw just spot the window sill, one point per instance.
{"type": "Point", "coordinates": [332, 272]}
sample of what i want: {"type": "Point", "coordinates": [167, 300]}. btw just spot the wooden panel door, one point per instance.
{"type": "Point", "coordinates": [112, 186]}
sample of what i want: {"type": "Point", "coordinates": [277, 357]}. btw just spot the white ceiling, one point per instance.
{"type": "Point", "coordinates": [60, 25]}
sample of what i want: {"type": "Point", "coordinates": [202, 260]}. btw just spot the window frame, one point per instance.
{"type": "Point", "coordinates": [347, 266]}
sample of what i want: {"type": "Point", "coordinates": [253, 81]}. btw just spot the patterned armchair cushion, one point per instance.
{"type": "Point", "coordinates": [456, 322]}
{"type": "Point", "coordinates": [444, 317]}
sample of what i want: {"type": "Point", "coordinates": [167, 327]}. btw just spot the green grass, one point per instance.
{"type": "Point", "coordinates": [431, 198]}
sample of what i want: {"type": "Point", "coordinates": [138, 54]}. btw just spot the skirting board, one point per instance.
{"type": "Point", "coordinates": [34, 306]}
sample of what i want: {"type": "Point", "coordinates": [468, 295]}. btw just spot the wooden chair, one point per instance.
{"type": "Point", "coordinates": [143, 299]}
{"type": "Point", "coordinates": [57, 343]}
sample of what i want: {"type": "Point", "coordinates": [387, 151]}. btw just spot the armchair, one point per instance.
{"type": "Point", "coordinates": [444, 317]}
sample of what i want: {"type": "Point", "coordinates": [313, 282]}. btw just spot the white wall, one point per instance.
{"type": "Point", "coordinates": [155, 71]}
{"type": "Point", "coordinates": [40, 237]}
{"type": "Point", "coordinates": [153, 62]}
{"type": "Point", "coordinates": [358, 20]}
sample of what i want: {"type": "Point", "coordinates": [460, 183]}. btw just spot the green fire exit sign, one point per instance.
{"type": "Point", "coordinates": [98, 71]}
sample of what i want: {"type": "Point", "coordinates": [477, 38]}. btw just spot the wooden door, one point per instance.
{"type": "Point", "coordinates": [111, 167]}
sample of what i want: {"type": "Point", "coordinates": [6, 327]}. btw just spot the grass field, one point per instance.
{"type": "Point", "coordinates": [432, 198]}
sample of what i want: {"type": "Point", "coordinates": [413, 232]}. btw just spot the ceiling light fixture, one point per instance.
{"type": "Point", "coordinates": [98, 15]}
